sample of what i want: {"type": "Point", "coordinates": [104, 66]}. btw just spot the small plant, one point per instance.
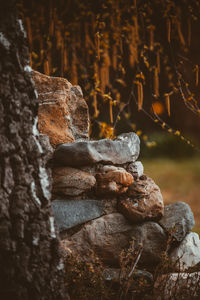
{"type": "Point", "coordinates": [132, 286]}
{"type": "Point", "coordinates": [128, 263]}
{"type": "Point", "coordinates": [85, 279]}
{"type": "Point", "coordinates": [175, 285]}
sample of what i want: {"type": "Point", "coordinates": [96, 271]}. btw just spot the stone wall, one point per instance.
{"type": "Point", "coordinates": [101, 197]}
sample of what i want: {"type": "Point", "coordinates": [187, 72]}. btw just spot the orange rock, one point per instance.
{"type": "Point", "coordinates": [119, 176]}
{"type": "Point", "coordinates": [111, 179]}
{"type": "Point", "coordinates": [63, 113]}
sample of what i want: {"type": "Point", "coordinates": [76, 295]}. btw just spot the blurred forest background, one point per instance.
{"type": "Point", "coordinates": [137, 63]}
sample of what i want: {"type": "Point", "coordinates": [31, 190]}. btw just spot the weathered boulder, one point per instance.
{"type": "Point", "coordinates": [144, 201]}
{"type": "Point", "coordinates": [187, 254]}
{"type": "Point", "coordinates": [63, 113]}
{"type": "Point", "coordinates": [125, 148]}
{"type": "Point", "coordinates": [153, 240]}
{"type": "Point", "coordinates": [107, 236]}
{"type": "Point", "coordinates": [71, 182]}
{"type": "Point", "coordinates": [136, 169]}
{"type": "Point", "coordinates": [181, 286]}
{"type": "Point", "coordinates": [178, 220]}
{"type": "Point", "coordinates": [74, 212]}
{"type": "Point", "coordinates": [114, 180]}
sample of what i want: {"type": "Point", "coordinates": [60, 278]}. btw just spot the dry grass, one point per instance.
{"type": "Point", "coordinates": [179, 180]}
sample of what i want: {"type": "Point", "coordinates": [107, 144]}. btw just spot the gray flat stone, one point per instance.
{"type": "Point", "coordinates": [178, 220]}
{"type": "Point", "coordinates": [125, 148]}
{"type": "Point", "coordinates": [69, 213]}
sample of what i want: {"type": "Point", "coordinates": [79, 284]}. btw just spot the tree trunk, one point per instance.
{"type": "Point", "coordinates": [31, 266]}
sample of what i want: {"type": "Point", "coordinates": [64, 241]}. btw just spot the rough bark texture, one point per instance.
{"type": "Point", "coordinates": [30, 263]}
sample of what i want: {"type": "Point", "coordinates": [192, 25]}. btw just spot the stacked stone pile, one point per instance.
{"type": "Point", "coordinates": [101, 197]}
{"type": "Point", "coordinates": [114, 202]}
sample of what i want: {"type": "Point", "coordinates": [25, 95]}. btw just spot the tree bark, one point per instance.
{"type": "Point", "coordinates": [31, 265]}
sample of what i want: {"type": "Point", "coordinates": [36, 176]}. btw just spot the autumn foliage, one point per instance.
{"type": "Point", "coordinates": [126, 55]}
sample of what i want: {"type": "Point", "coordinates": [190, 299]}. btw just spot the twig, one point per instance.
{"type": "Point", "coordinates": [137, 259]}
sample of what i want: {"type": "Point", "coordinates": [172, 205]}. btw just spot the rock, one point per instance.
{"type": "Point", "coordinates": [143, 275]}
{"type": "Point", "coordinates": [125, 148]}
{"type": "Point", "coordinates": [181, 286]}
{"type": "Point", "coordinates": [89, 169]}
{"type": "Point", "coordinates": [187, 254]}
{"type": "Point", "coordinates": [111, 179]}
{"type": "Point", "coordinates": [153, 239]}
{"type": "Point", "coordinates": [178, 220]}
{"type": "Point", "coordinates": [63, 113]}
{"type": "Point", "coordinates": [117, 174]}
{"type": "Point", "coordinates": [137, 285]}
{"type": "Point", "coordinates": [114, 275]}
{"type": "Point", "coordinates": [136, 169]}
{"type": "Point", "coordinates": [71, 182]}
{"type": "Point", "coordinates": [74, 212]}
{"type": "Point", "coordinates": [107, 236]}
{"type": "Point", "coordinates": [145, 201]}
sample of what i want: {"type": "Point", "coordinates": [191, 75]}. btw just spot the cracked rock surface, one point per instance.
{"type": "Point", "coordinates": [63, 113]}
{"type": "Point", "coordinates": [144, 201]}
{"type": "Point", "coordinates": [125, 148]}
